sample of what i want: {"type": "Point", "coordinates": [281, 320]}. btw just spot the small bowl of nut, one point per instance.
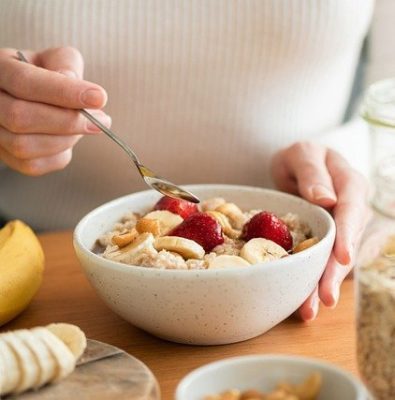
{"type": "Point", "coordinates": [223, 271]}
{"type": "Point", "coordinates": [270, 377]}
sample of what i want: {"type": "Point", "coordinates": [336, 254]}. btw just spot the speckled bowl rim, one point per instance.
{"type": "Point", "coordinates": [286, 358]}
{"type": "Point", "coordinates": [118, 266]}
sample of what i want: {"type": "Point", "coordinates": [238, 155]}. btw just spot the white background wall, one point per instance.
{"type": "Point", "coordinates": [382, 42]}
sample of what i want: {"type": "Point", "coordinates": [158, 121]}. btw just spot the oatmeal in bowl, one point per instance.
{"type": "Point", "coordinates": [216, 234]}
{"type": "Point", "coordinates": [144, 271]}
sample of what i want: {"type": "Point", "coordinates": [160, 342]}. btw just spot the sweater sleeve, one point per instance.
{"type": "Point", "coordinates": [351, 140]}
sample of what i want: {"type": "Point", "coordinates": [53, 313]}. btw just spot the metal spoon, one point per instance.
{"type": "Point", "coordinates": [151, 179]}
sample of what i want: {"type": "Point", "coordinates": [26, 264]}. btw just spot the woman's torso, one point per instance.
{"type": "Point", "coordinates": [203, 90]}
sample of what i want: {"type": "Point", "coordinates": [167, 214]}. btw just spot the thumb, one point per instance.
{"type": "Point", "coordinates": [66, 60]}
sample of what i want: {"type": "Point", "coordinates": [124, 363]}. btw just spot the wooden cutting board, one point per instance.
{"type": "Point", "coordinates": [116, 376]}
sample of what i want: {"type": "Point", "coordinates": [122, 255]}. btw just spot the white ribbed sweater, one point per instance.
{"type": "Point", "coordinates": [203, 90]}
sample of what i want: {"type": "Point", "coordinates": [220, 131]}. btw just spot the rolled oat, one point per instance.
{"type": "Point", "coordinates": [376, 326]}
{"type": "Point", "coordinates": [120, 244]}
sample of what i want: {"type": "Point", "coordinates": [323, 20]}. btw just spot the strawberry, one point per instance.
{"type": "Point", "coordinates": [201, 228]}
{"type": "Point", "coordinates": [177, 206]}
{"type": "Point", "coordinates": [268, 226]}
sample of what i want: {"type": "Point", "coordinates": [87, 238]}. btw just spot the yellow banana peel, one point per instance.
{"type": "Point", "coordinates": [21, 268]}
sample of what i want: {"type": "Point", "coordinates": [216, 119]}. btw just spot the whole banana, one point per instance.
{"type": "Point", "coordinates": [21, 268]}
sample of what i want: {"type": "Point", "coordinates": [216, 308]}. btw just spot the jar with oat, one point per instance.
{"type": "Point", "coordinates": [376, 314]}
{"type": "Point", "coordinates": [378, 110]}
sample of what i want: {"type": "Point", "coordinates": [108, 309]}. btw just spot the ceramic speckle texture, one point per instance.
{"type": "Point", "coordinates": [263, 372]}
{"type": "Point", "coordinates": [207, 306]}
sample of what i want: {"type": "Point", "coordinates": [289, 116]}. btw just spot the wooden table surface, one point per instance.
{"type": "Point", "coordinates": [66, 296]}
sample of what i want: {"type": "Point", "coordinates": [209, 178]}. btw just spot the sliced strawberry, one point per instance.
{"type": "Point", "coordinates": [268, 226]}
{"type": "Point", "coordinates": [177, 206]}
{"type": "Point", "coordinates": [202, 228]}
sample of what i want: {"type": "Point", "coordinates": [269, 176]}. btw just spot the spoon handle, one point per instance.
{"type": "Point", "coordinates": [111, 135]}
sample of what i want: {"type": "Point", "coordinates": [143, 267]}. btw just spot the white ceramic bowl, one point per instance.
{"type": "Point", "coordinates": [206, 306]}
{"type": "Point", "coordinates": [263, 372]}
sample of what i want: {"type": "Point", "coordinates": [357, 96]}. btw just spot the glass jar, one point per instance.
{"type": "Point", "coordinates": [378, 110]}
{"type": "Point", "coordinates": [375, 279]}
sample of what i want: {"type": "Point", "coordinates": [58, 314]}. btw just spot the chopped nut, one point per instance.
{"type": "Point", "coordinates": [305, 244]}
{"type": "Point", "coordinates": [158, 223]}
{"type": "Point", "coordinates": [106, 239]}
{"type": "Point", "coordinates": [310, 388]}
{"type": "Point", "coordinates": [231, 395]}
{"type": "Point", "coordinates": [123, 239]}
{"type": "Point", "coordinates": [277, 394]}
{"type": "Point", "coordinates": [149, 225]}
{"type": "Point", "coordinates": [167, 220]}
{"type": "Point", "coordinates": [307, 390]}
{"type": "Point", "coordinates": [252, 395]}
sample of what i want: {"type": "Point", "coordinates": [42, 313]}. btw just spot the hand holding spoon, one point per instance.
{"type": "Point", "coordinates": [154, 181]}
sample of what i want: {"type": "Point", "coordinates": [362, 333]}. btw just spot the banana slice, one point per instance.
{"type": "Point", "coordinates": [71, 336]}
{"type": "Point", "coordinates": [43, 358]}
{"type": "Point", "coordinates": [259, 249]}
{"type": "Point", "coordinates": [128, 253]}
{"type": "Point", "coordinates": [227, 261]}
{"type": "Point", "coordinates": [10, 377]}
{"type": "Point", "coordinates": [65, 360]}
{"type": "Point", "coordinates": [212, 204]}
{"type": "Point", "coordinates": [185, 247]}
{"type": "Point", "coordinates": [32, 358]}
{"type": "Point", "coordinates": [236, 216]}
{"type": "Point", "coordinates": [225, 224]}
{"type": "Point", "coordinates": [28, 369]}
{"type": "Point", "coordinates": [167, 220]}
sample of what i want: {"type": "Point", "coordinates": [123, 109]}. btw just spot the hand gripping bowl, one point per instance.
{"type": "Point", "coordinates": [206, 307]}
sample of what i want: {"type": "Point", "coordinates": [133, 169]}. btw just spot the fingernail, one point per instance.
{"type": "Point", "coordinates": [334, 296]}
{"type": "Point", "coordinates": [93, 98]}
{"type": "Point", "coordinates": [348, 255]}
{"type": "Point", "coordinates": [103, 118]}
{"type": "Point", "coordinates": [346, 260]}
{"type": "Point", "coordinates": [320, 192]}
{"type": "Point", "coordinates": [68, 72]}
